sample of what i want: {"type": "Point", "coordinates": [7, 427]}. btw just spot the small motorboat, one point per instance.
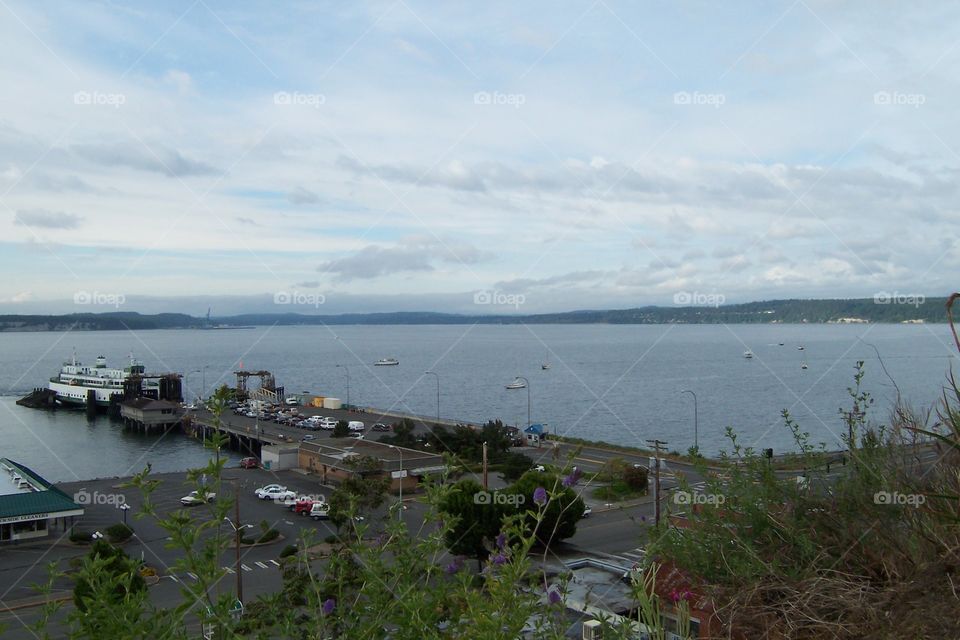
{"type": "Point", "coordinates": [545, 366]}
{"type": "Point", "coordinates": [517, 384]}
{"type": "Point", "coordinates": [748, 354]}
{"type": "Point", "coordinates": [800, 348]}
{"type": "Point", "coordinates": [386, 362]}
{"type": "Point", "coordinates": [803, 365]}
{"type": "Point", "coordinates": [780, 344]}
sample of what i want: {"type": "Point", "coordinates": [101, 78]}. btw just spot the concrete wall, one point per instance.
{"type": "Point", "coordinates": [278, 457]}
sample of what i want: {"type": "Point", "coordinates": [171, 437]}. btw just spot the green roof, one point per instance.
{"type": "Point", "coordinates": [51, 500]}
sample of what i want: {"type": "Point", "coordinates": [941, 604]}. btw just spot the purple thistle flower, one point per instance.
{"type": "Point", "coordinates": [329, 605]}
{"type": "Point", "coordinates": [499, 559]}
{"type": "Point", "coordinates": [540, 496]}
{"type": "Point", "coordinates": [501, 540]}
{"type": "Point", "coordinates": [554, 596]}
{"type": "Point", "coordinates": [573, 478]}
{"type": "Point", "coordinates": [455, 565]}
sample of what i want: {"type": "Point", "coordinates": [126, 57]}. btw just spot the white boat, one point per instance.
{"type": "Point", "coordinates": [386, 362]}
{"type": "Point", "coordinates": [748, 354]}
{"type": "Point", "coordinates": [517, 384]}
{"type": "Point", "coordinates": [75, 380]}
{"type": "Point", "coordinates": [800, 348]}
{"type": "Point", "coordinates": [545, 366]}
{"type": "Point", "coordinates": [803, 365]}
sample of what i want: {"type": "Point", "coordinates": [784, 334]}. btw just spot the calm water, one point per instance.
{"type": "Point", "coordinates": [615, 383]}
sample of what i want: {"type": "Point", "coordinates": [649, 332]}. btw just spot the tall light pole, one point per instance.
{"type": "Point", "coordinates": [434, 373]}
{"type": "Point", "coordinates": [124, 507]}
{"type": "Point", "coordinates": [400, 510]}
{"type": "Point", "coordinates": [186, 381]}
{"type": "Point", "coordinates": [204, 382]}
{"type": "Point", "coordinates": [237, 528]}
{"type": "Point", "coordinates": [696, 426]}
{"type": "Point", "coordinates": [527, 383]}
{"type": "Point", "coordinates": [347, 369]}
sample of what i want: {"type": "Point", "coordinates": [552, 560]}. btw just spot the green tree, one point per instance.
{"type": "Point", "coordinates": [636, 477]}
{"type": "Point", "coordinates": [341, 430]}
{"type": "Point", "coordinates": [475, 519]}
{"type": "Point", "coordinates": [513, 465]}
{"type": "Point", "coordinates": [563, 510]}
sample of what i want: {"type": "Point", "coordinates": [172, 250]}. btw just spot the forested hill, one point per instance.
{"type": "Point", "coordinates": [892, 310]}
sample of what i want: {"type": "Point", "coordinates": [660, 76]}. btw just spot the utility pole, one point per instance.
{"type": "Point", "coordinates": [696, 426]}
{"type": "Point", "coordinates": [484, 466]}
{"type": "Point", "coordinates": [236, 525]}
{"type": "Point", "coordinates": [434, 373]}
{"type": "Point", "coordinates": [656, 447]}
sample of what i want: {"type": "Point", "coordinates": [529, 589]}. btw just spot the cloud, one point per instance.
{"type": "Point", "coordinates": [155, 158]}
{"type": "Point", "coordinates": [302, 196]}
{"type": "Point", "coordinates": [47, 219]}
{"type": "Point", "coordinates": [413, 254]}
{"type": "Point", "coordinates": [246, 220]}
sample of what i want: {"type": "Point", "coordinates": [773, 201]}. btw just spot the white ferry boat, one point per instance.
{"type": "Point", "coordinates": [76, 379]}
{"type": "Point", "coordinates": [386, 362]}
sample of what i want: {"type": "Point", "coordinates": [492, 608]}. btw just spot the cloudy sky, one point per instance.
{"type": "Point", "coordinates": [399, 155]}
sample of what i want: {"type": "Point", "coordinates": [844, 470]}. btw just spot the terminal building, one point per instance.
{"type": "Point", "coordinates": [31, 507]}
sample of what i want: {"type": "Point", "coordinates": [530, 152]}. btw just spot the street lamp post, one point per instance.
{"type": "Point", "coordinates": [400, 510]}
{"type": "Point", "coordinates": [186, 382]}
{"type": "Point", "coordinates": [237, 528]}
{"type": "Point", "coordinates": [347, 369]}
{"type": "Point", "coordinates": [124, 508]}
{"type": "Point", "coordinates": [527, 384]}
{"type": "Point", "coordinates": [696, 426]}
{"type": "Point", "coordinates": [433, 373]}
{"type": "Point", "coordinates": [203, 382]}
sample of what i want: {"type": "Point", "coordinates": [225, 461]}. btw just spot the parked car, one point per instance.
{"type": "Point", "coordinates": [587, 510]}
{"type": "Point", "coordinates": [308, 438]}
{"type": "Point", "coordinates": [328, 424]}
{"type": "Point", "coordinates": [380, 427]}
{"type": "Point", "coordinates": [263, 491]}
{"type": "Point", "coordinates": [355, 436]}
{"type": "Point", "coordinates": [320, 511]}
{"type": "Point", "coordinates": [356, 425]}
{"type": "Point", "coordinates": [291, 402]}
{"type": "Point", "coordinates": [249, 463]}
{"type": "Point", "coordinates": [278, 495]}
{"type": "Point", "coordinates": [194, 498]}
{"type": "Point", "coordinates": [304, 504]}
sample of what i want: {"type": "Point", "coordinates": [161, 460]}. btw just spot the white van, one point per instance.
{"type": "Point", "coordinates": [355, 425]}
{"type": "Point", "coordinates": [320, 511]}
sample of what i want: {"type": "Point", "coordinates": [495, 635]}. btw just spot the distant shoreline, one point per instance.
{"type": "Point", "coordinates": [889, 310]}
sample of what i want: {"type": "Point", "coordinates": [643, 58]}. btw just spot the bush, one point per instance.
{"type": "Point", "coordinates": [83, 537]}
{"type": "Point", "coordinates": [636, 478]}
{"type": "Point", "coordinates": [514, 465]}
{"type": "Point", "coordinates": [342, 430]}
{"type": "Point", "coordinates": [108, 574]}
{"type": "Point", "coordinates": [269, 536]}
{"type": "Point", "coordinates": [289, 550]}
{"type": "Point", "coordinates": [332, 539]}
{"type": "Point", "coordinates": [119, 532]}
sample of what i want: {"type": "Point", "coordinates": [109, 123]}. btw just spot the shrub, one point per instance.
{"type": "Point", "coordinates": [107, 574]}
{"type": "Point", "coordinates": [83, 537]}
{"type": "Point", "coordinates": [289, 550]}
{"type": "Point", "coordinates": [514, 465]}
{"type": "Point", "coordinates": [269, 536]}
{"type": "Point", "coordinates": [332, 539]}
{"type": "Point", "coordinates": [119, 532]}
{"type": "Point", "coordinates": [636, 478]}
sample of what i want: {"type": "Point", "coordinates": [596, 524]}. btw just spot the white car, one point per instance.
{"type": "Point", "coordinates": [355, 425]}
{"type": "Point", "coordinates": [328, 424]}
{"type": "Point", "coordinates": [263, 491]}
{"type": "Point", "coordinates": [279, 495]}
{"type": "Point", "coordinates": [194, 498]}
{"type": "Point", "coordinates": [320, 510]}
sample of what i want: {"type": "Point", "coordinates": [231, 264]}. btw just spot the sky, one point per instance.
{"type": "Point", "coordinates": [473, 157]}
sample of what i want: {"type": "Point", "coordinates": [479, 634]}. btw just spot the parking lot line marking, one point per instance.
{"type": "Point", "coordinates": [192, 575]}
{"type": "Point", "coordinates": [275, 562]}
{"type": "Point", "coordinates": [229, 570]}
{"type": "Point", "coordinates": [245, 567]}
{"type": "Point", "coordinates": [260, 564]}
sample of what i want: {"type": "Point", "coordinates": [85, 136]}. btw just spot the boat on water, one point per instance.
{"type": "Point", "coordinates": [545, 366]}
{"type": "Point", "coordinates": [72, 386]}
{"type": "Point", "coordinates": [803, 365]}
{"type": "Point", "coordinates": [748, 354]}
{"type": "Point", "coordinates": [800, 347]}
{"type": "Point", "coordinates": [386, 362]}
{"type": "Point", "coordinates": [517, 384]}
